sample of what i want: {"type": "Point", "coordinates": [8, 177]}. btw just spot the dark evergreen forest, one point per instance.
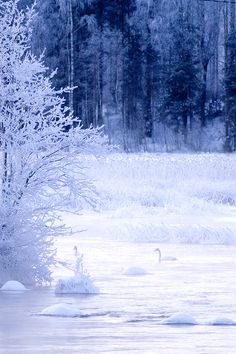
{"type": "Point", "coordinates": [156, 73]}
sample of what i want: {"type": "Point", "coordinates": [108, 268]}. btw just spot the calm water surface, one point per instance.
{"type": "Point", "coordinates": [127, 316]}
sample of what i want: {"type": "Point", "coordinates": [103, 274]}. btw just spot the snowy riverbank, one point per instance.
{"type": "Point", "coordinates": [176, 198]}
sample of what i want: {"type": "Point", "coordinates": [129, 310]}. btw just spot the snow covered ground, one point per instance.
{"type": "Point", "coordinates": [183, 204]}
{"type": "Point", "coordinates": [177, 198]}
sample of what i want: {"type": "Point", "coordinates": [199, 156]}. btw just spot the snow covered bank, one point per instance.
{"type": "Point", "coordinates": [177, 198]}
{"type": "Point", "coordinates": [175, 233]}
{"type": "Point", "coordinates": [165, 181]}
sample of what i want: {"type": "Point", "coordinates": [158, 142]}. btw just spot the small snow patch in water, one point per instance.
{"type": "Point", "coordinates": [60, 310]}
{"type": "Point", "coordinates": [222, 321]}
{"type": "Point", "coordinates": [135, 271]}
{"type": "Point", "coordinates": [180, 319]}
{"type": "Point", "coordinates": [13, 285]}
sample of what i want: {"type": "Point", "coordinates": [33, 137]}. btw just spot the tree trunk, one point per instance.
{"type": "Point", "coordinates": [100, 65]}
{"type": "Point", "coordinates": [71, 57]}
{"type": "Point", "coordinates": [148, 96]}
{"type": "Point", "coordinates": [227, 122]}
{"type": "Point", "coordinates": [203, 96]}
{"type": "Point", "coordinates": [230, 78]}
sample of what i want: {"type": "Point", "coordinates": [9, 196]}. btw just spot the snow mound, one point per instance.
{"type": "Point", "coordinates": [60, 310]}
{"type": "Point", "coordinates": [135, 271]}
{"type": "Point", "coordinates": [13, 285]}
{"type": "Point", "coordinates": [222, 321]}
{"type": "Point", "coordinates": [180, 318]}
{"type": "Point", "coordinates": [78, 284]}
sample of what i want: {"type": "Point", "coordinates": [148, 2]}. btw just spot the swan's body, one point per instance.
{"type": "Point", "coordinates": [169, 258]}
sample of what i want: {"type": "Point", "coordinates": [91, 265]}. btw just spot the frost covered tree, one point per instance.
{"type": "Point", "coordinates": [39, 174]}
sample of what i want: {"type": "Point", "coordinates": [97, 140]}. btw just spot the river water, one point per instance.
{"type": "Point", "coordinates": [127, 316]}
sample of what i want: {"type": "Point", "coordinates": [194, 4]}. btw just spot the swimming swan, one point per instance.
{"type": "Point", "coordinates": [167, 258]}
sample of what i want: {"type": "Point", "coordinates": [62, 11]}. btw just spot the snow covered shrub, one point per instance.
{"type": "Point", "coordinates": [80, 283]}
{"type": "Point", "coordinates": [40, 175]}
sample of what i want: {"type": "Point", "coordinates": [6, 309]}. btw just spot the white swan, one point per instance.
{"type": "Point", "coordinates": [167, 258]}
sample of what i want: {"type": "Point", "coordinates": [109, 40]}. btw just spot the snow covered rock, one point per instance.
{"type": "Point", "coordinates": [222, 321]}
{"type": "Point", "coordinates": [78, 284]}
{"type": "Point", "coordinates": [60, 310]}
{"type": "Point", "coordinates": [180, 318]}
{"type": "Point", "coordinates": [135, 271]}
{"type": "Point", "coordinates": [13, 285]}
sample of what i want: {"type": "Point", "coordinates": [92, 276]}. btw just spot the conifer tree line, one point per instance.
{"type": "Point", "coordinates": [150, 71]}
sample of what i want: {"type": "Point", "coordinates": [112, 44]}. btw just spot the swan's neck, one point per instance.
{"type": "Point", "coordinates": [76, 251]}
{"type": "Point", "coordinates": [159, 254]}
